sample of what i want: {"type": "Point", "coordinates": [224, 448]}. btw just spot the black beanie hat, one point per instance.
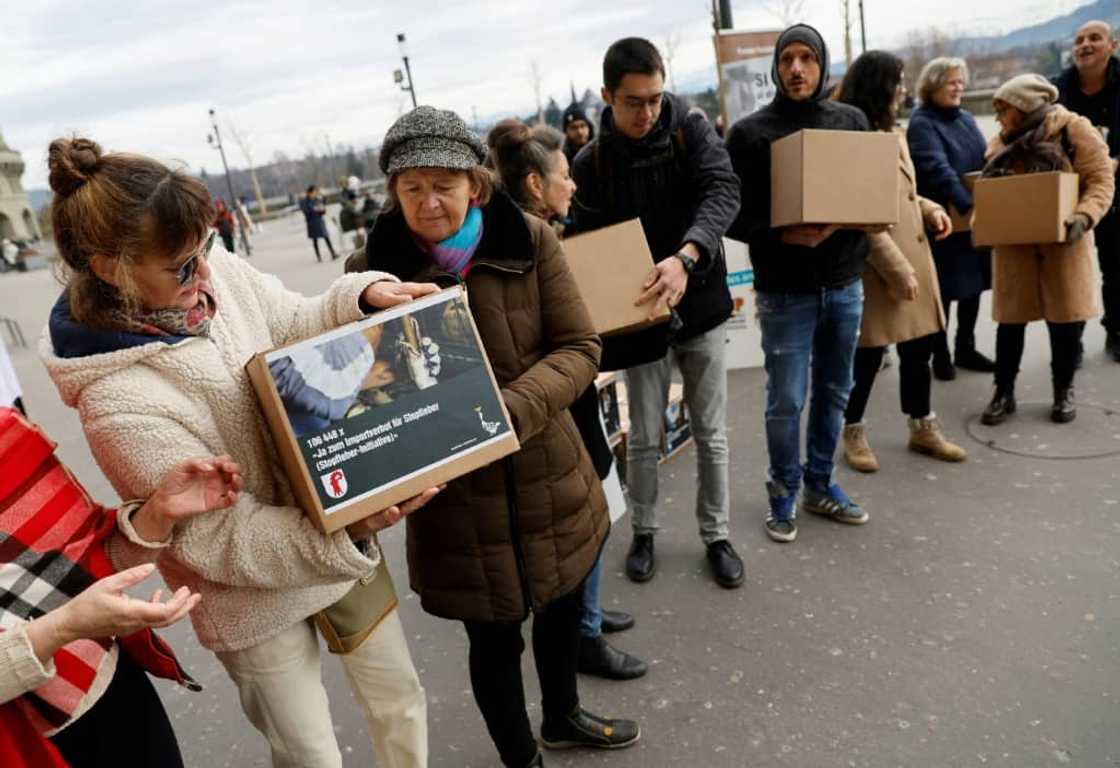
{"type": "Point", "coordinates": [573, 113]}
{"type": "Point", "coordinates": [808, 36]}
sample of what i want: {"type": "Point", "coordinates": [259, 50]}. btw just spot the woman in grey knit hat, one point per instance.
{"type": "Point", "coordinates": [1054, 282]}
{"type": "Point", "coordinates": [521, 535]}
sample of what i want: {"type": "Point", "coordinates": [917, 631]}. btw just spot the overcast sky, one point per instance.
{"type": "Point", "coordinates": [140, 75]}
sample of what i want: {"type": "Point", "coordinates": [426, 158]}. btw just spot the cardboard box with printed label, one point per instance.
{"type": "Point", "coordinates": [962, 222]}
{"type": "Point", "coordinates": [834, 177]}
{"type": "Point", "coordinates": [1028, 209]}
{"type": "Point", "coordinates": [375, 412]}
{"type": "Point", "coordinates": [609, 266]}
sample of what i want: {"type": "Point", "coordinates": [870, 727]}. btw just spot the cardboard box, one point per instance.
{"type": "Point", "coordinates": [963, 222]}
{"type": "Point", "coordinates": [375, 412]}
{"type": "Point", "coordinates": [609, 266]}
{"type": "Point", "coordinates": [1023, 210]}
{"type": "Point", "coordinates": [834, 177]}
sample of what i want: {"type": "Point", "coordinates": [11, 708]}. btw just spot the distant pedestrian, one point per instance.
{"type": "Point", "coordinates": [1091, 88]}
{"type": "Point", "coordinates": [809, 316]}
{"type": "Point", "coordinates": [902, 301]}
{"type": "Point", "coordinates": [223, 222]}
{"type": "Point", "coordinates": [946, 144]}
{"type": "Point", "coordinates": [654, 161]}
{"type": "Point", "coordinates": [1051, 282]}
{"type": "Point", "coordinates": [314, 212]}
{"type": "Point", "coordinates": [578, 130]}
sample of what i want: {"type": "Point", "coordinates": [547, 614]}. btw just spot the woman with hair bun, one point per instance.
{"type": "Point", "coordinates": [533, 169]}
{"type": "Point", "coordinates": [148, 342]}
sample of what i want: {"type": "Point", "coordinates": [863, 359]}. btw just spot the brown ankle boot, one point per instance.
{"type": "Point", "coordinates": [926, 438]}
{"type": "Point", "coordinates": [857, 452]}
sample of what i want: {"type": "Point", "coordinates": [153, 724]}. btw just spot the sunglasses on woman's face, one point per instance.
{"type": "Point", "coordinates": [186, 270]}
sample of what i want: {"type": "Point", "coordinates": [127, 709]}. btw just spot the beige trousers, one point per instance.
{"type": "Point", "coordinates": [282, 693]}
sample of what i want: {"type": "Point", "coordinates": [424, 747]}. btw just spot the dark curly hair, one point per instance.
{"type": "Point", "coordinates": [870, 85]}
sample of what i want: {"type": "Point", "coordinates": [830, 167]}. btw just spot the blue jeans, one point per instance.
{"type": "Point", "coordinates": [591, 617]}
{"type": "Point", "coordinates": [815, 332]}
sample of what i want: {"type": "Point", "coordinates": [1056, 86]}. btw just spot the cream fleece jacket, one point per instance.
{"type": "Point", "coordinates": [260, 566]}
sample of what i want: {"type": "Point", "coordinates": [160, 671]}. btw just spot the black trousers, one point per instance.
{"type": "Point", "coordinates": [315, 245]}
{"type": "Point", "coordinates": [1065, 341]}
{"type": "Point", "coordinates": [126, 727]}
{"type": "Point", "coordinates": [913, 372]}
{"type": "Point", "coordinates": [227, 241]}
{"type": "Point", "coordinates": [1107, 234]}
{"type": "Point", "coordinates": [967, 312]}
{"type": "Point", "coordinates": [495, 664]}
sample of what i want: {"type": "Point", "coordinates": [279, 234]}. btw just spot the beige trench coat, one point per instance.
{"type": "Point", "coordinates": [893, 257]}
{"type": "Point", "coordinates": [1056, 282]}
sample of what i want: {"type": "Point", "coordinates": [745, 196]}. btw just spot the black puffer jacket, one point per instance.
{"type": "Point", "coordinates": [678, 180]}
{"type": "Point", "coordinates": [778, 267]}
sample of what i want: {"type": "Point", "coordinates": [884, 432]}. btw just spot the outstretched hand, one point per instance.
{"type": "Point", "coordinates": [104, 610]}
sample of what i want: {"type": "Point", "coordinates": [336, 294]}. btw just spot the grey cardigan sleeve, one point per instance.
{"type": "Point", "coordinates": [20, 669]}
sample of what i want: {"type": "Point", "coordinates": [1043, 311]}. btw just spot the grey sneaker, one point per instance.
{"type": "Point", "coordinates": [833, 503]}
{"type": "Point", "coordinates": [781, 523]}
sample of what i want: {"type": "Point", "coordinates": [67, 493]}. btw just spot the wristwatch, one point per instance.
{"type": "Point", "coordinates": [687, 261]}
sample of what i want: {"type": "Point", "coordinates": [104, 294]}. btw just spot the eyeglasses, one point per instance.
{"type": "Point", "coordinates": [187, 269]}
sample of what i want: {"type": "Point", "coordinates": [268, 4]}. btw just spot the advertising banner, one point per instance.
{"type": "Point", "coordinates": [744, 61]}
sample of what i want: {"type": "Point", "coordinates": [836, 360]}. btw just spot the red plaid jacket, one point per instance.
{"type": "Point", "coordinates": [52, 546]}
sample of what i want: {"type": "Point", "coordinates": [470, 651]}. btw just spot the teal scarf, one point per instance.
{"type": "Point", "coordinates": [455, 253]}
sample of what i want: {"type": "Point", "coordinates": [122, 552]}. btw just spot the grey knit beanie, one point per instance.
{"type": "Point", "coordinates": [1027, 93]}
{"type": "Point", "coordinates": [428, 137]}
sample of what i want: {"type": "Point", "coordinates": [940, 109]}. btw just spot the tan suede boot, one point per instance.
{"type": "Point", "coordinates": [857, 452]}
{"type": "Point", "coordinates": [926, 438]}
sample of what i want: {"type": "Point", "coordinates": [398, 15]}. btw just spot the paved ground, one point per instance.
{"type": "Point", "coordinates": [975, 620]}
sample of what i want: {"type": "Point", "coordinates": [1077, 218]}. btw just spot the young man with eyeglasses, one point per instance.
{"type": "Point", "coordinates": [655, 161]}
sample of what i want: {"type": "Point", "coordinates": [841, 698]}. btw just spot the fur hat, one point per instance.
{"type": "Point", "coordinates": [428, 137]}
{"type": "Point", "coordinates": [1027, 93]}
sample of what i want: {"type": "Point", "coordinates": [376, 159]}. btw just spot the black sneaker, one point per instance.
{"type": "Point", "coordinates": [727, 566]}
{"type": "Point", "coordinates": [583, 729]}
{"type": "Point", "coordinates": [616, 621]}
{"type": "Point", "coordinates": [640, 561]}
{"type": "Point", "coordinates": [599, 658]}
{"type": "Point", "coordinates": [971, 360]}
{"type": "Point", "coordinates": [1112, 346]}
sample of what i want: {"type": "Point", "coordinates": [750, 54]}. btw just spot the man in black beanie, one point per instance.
{"type": "Point", "coordinates": [577, 130]}
{"type": "Point", "coordinates": [809, 291]}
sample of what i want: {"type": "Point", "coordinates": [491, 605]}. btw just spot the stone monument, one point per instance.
{"type": "Point", "coordinates": [17, 220]}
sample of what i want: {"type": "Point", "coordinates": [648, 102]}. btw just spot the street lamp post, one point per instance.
{"type": "Point", "coordinates": [215, 139]}
{"type": "Point", "coordinates": [862, 29]}
{"type": "Point", "coordinates": [398, 76]}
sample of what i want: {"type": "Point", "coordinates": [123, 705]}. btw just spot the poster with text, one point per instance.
{"type": "Point", "coordinates": [745, 60]}
{"type": "Point", "coordinates": [378, 402]}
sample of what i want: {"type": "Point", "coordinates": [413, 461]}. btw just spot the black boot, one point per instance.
{"type": "Point", "coordinates": [1001, 406]}
{"type": "Point", "coordinates": [536, 762]}
{"type": "Point", "coordinates": [968, 358]}
{"type": "Point", "coordinates": [583, 729]}
{"type": "Point", "coordinates": [1063, 411]}
{"type": "Point", "coordinates": [727, 567]}
{"type": "Point", "coordinates": [616, 621]}
{"type": "Point", "coordinates": [640, 562]}
{"type": "Point", "coordinates": [597, 657]}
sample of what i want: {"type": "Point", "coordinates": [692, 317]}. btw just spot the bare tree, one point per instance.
{"type": "Point", "coordinates": [847, 32]}
{"type": "Point", "coordinates": [920, 46]}
{"type": "Point", "coordinates": [788, 12]}
{"type": "Point", "coordinates": [672, 40]}
{"type": "Point", "coordinates": [535, 79]}
{"type": "Point", "coordinates": [242, 142]}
